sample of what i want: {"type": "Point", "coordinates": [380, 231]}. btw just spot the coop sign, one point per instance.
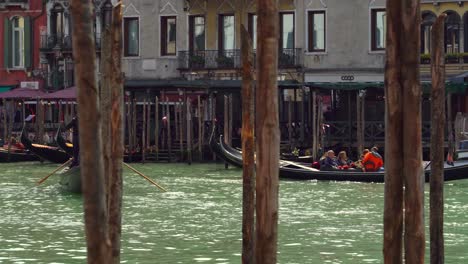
{"type": "Point", "coordinates": [347, 78]}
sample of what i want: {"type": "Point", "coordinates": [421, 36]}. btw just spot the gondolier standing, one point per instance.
{"type": "Point", "coordinates": [76, 141]}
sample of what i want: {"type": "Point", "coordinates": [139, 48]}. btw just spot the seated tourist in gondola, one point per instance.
{"type": "Point", "coordinates": [372, 161]}
{"type": "Point", "coordinates": [330, 163]}
{"type": "Point", "coordinates": [344, 162]}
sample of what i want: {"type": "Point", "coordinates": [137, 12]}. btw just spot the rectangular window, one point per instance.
{"type": "Point", "coordinates": [18, 42]}
{"type": "Point", "coordinates": [226, 32]}
{"type": "Point", "coordinates": [378, 28]}
{"type": "Point", "coordinates": [197, 33]}
{"type": "Point", "coordinates": [317, 29]}
{"type": "Point", "coordinates": [286, 30]}
{"type": "Point", "coordinates": [168, 36]}
{"type": "Point", "coordinates": [253, 29]}
{"type": "Point", "coordinates": [131, 37]}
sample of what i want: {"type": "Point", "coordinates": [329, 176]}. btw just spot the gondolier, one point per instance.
{"type": "Point", "coordinates": [76, 143]}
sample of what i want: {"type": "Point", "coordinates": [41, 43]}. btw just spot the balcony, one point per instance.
{"type": "Point", "coordinates": [231, 59]}
{"type": "Point", "coordinates": [49, 43]}
{"type": "Point", "coordinates": [455, 58]}
{"type": "Point", "coordinates": [22, 3]}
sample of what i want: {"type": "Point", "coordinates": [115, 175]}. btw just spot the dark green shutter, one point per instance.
{"type": "Point", "coordinates": [28, 38]}
{"type": "Point", "coordinates": [6, 43]}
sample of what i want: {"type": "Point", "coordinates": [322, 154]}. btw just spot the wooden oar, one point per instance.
{"type": "Point", "coordinates": [46, 177]}
{"type": "Point", "coordinates": [144, 176]}
{"type": "Point", "coordinates": [297, 165]}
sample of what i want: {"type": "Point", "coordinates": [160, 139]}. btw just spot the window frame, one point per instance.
{"type": "Point", "coordinates": [281, 40]}
{"type": "Point", "coordinates": [21, 45]}
{"type": "Point", "coordinates": [125, 36]}
{"type": "Point", "coordinates": [252, 28]}
{"type": "Point", "coordinates": [373, 26]}
{"type": "Point", "coordinates": [191, 30]}
{"type": "Point", "coordinates": [221, 30]}
{"type": "Point", "coordinates": [310, 27]}
{"type": "Point", "coordinates": [163, 35]}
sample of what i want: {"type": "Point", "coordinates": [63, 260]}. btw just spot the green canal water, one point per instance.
{"type": "Point", "coordinates": [199, 219]}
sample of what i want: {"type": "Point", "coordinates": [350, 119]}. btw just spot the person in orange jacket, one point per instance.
{"type": "Point", "coordinates": [372, 161]}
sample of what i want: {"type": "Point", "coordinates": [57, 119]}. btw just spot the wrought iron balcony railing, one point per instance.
{"type": "Point", "coordinates": [62, 42]}
{"type": "Point", "coordinates": [231, 59]}
{"type": "Point", "coordinates": [14, 2]}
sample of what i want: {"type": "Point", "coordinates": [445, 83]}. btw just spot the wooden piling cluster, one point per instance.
{"type": "Point", "coordinates": [404, 180]}
{"type": "Point", "coordinates": [438, 121]}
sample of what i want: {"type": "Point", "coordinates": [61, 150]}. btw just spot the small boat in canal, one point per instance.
{"type": "Point", "coordinates": [300, 171]}
{"type": "Point", "coordinates": [63, 144]}
{"type": "Point", "coordinates": [70, 179]}
{"type": "Point", "coordinates": [52, 154]}
{"type": "Point", "coordinates": [16, 155]}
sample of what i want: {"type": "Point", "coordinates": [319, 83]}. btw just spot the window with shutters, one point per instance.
{"type": "Point", "coordinates": [18, 42]}
{"type": "Point", "coordinates": [168, 35]}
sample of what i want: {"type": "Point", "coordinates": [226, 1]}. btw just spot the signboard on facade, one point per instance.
{"type": "Point", "coordinates": [30, 85]}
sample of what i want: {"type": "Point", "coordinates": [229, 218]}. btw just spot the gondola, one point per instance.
{"type": "Point", "coordinates": [70, 180]}
{"type": "Point", "coordinates": [297, 171]}
{"type": "Point", "coordinates": [52, 154]}
{"type": "Point", "coordinates": [68, 148]}
{"type": "Point", "coordinates": [16, 156]}
{"type": "Point", "coordinates": [63, 144]}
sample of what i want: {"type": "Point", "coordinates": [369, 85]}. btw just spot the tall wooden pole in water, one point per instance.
{"type": "Point", "coordinates": [248, 173]}
{"type": "Point", "coordinates": [403, 150]}
{"type": "Point", "coordinates": [91, 163]}
{"type": "Point", "coordinates": [436, 226]}
{"type": "Point", "coordinates": [156, 127]}
{"type": "Point", "coordinates": [116, 134]}
{"type": "Point", "coordinates": [226, 124]}
{"type": "Point", "coordinates": [267, 132]}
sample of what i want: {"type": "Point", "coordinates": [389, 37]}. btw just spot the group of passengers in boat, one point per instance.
{"type": "Point", "coordinates": [370, 161]}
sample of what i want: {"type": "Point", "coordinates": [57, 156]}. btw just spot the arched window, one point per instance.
{"type": "Point", "coordinates": [57, 21]}
{"type": "Point", "coordinates": [428, 19]}
{"type": "Point", "coordinates": [17, 44]}
{"type": "Point", "coordinates": [452, 32]}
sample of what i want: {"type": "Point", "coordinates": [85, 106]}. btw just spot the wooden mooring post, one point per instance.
{"type": "Point", "coordinates": [143, 133]}
{"type": "Point", "coordinates": [189, 130]}
{"type": "Point", "coordinates": [169, 136]}
{"type": "Point", "coordinates": [156, 127]}
{"type": "Point", "coordinates": [200, 136]}
{"type": "Point", "coordinates": [116, 134]}
{"type": "Point", "coordinates": [267, 131]}
{"type": "Point", "coordinates": [290, 128]}
{"type": "Point", "coordinates": [180, 128]}
{"type": "Point", "coordinates": [148, 126]}
{"type": "Point", "coordinates": [226, 124]}
{"type": "Point", "coordinates": [436, 218]}
{"type": "Point", "coordinates": [403, 147]}
{"type": "Point", "coordinates": [91, 164]}
{"type": "Point", "coordinates": [248, 157]}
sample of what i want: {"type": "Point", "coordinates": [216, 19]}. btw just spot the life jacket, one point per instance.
{"type": "Point", "coordinates": [372, 161]}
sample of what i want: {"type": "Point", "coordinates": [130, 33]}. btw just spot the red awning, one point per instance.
{"type": "Point", "coordinates": [67, 94]}
{"type": "Point", "coordinates": [22, 93]}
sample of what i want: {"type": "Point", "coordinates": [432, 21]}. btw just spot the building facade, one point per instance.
{"type": "Point", "coordinates": [21, 22]}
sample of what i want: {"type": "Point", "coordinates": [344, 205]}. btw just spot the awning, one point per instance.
{"type": "Point", "coordinates": [66, 94]}
{"type": "Point", "coordinates": [450, 86]}
{"type": "Point", "coordinates": [22, 93]}
{"type": "Point", "coordinates": [196, 84]}
{"type": "Point", "coordinates": [6, 88]}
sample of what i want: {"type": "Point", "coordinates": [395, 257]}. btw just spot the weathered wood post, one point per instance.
{"type": "Point", "coordinates": [268, 132]}
{"type": "Point", "coordinates": [92, 170]}
{"type": "Point", "coordinates": [189, 131]}
{"type": "Point", "coordinates": [105, 101]}
{"type": "Point", "coordinates": [226, 124]}
{"type": "Point", "coordinates": [179, 128]}
{"type": "Point", "coordinates": [360, 123]}
{"type": "Point", "coordinates": [5, 127]}
{"type": "Point", "coordinates": [213, 115]}
{"type": "Point", "coordinates": [204, 117]}
{"type": "Point", "coordinates": [116, 134]}
{"type": "Point", "coordinates": [436, 225]}
{"type": "Point", "coordinates": [403, 149]}
{"type": "Point", "coordinates": [230, 123]}
{"type": "Point", "coordinates": [315, 132]}
{"type": "Point", "coordinates": [143, 133]}
{"type": "Point", "coordinates": [169, 136]}
{"type": "Point", "coordinates": [148, 125]}
{"type": "Point", "coordinates": [248, 158]}
{"type": "Point", "coordinates": [156, 127]}
{"type": "Point", "coordinates": [200, 136]}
